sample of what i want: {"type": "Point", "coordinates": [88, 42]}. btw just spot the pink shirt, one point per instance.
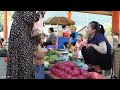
{"type": "Point", "coordinates": [78, 45]}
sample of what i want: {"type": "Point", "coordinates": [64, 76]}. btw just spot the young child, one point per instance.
{"type": "Point", "coordinates": [79, 44]}
{"type": "Point", "coordinates": [38, 59]}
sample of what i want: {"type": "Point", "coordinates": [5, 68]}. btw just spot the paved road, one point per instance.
{"type": "Point", "coordinates": [2, 68]}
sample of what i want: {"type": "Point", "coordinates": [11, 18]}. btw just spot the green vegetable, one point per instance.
{"type": "Point", "coordinates": [53, 52]}
{"type": "Point", "coordinates": [47, 58]}
{"type": "Point", "coordinates": [54, 57]}
{"type": "Point", "coordinates": [73, 54]}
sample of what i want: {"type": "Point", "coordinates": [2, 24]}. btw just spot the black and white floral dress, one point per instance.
{"type": "Point", "coordinates": [21, 46]}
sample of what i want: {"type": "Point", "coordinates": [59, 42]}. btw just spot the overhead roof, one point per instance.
{"type": "Point", "coordinates": [108, 13]}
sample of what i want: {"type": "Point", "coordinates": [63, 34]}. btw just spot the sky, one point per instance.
{"type": "Point", "coordinates": [81, 19]}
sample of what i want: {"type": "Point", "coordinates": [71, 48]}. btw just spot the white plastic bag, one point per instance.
{"type": "Point", "coordinates": [38, 26]}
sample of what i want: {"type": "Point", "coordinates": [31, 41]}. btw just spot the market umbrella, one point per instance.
{"type": "Point", "coordinates": [59, 21]}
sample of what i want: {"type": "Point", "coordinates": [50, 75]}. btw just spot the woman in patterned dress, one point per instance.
{"type": "Point", "coordinates": [21, 45]}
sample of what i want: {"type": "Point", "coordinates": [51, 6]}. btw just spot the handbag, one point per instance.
{"type": "Point", "coordinates": [3, 53]}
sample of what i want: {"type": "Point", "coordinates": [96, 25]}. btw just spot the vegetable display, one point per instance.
{"type": "Point", "coordinates": [51, 57]}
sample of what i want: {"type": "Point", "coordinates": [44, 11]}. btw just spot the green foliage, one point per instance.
{"type": "Point", "coordinates": [10, 13]}
{"type": "Point", "coordinates": [108, 29]}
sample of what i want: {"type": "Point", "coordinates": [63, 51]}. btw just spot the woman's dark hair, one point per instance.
{"type": "Point", "coordinates": [99, 28]}
{"type": "Point", "coordinates": [63, 26]}
{"type": "Point", "coordinates": [51, 29]}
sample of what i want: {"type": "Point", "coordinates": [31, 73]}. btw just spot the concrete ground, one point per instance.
{"type": "Point", "coordinates": [3, 65]}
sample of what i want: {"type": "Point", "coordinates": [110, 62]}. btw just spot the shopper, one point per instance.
{"type": "Point", "coordinates": [21, 45]}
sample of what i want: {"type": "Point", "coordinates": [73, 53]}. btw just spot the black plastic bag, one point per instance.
{"type": "Point", "coordinates": [3, 53]}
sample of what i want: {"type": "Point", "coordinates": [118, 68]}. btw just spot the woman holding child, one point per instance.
{"type": "Point", "coordinates": [21, 45]}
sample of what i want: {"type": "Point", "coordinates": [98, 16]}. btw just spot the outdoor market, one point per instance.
{"type": "Point", "coordinates": [59, 48]}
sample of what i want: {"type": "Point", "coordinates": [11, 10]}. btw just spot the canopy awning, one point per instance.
{"type": "Point", "coordinates": [108, 13]}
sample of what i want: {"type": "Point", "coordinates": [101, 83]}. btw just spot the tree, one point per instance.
{"type": "Point", "coordinates": [1, 20]}
{"type": "Point", "coordinates": [108, 29]}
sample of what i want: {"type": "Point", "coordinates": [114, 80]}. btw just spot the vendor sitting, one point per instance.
{"type": "Point", "coordinates": [73, 38]}
{"type": "Point", "coordinates": [51, 38]}
{"type": "Point", "coordinates": [97, 53]}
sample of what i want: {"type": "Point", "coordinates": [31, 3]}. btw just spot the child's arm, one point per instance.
{"type": "Point", "coordinates": [70, 42]}
{"type": "Point", "coordinates": [46, 52]}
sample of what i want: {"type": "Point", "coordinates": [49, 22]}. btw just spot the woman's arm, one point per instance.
{"type": "Point", "coordinates": [31, 16]}
{"type": "Point", "coordinates": [102, 48]}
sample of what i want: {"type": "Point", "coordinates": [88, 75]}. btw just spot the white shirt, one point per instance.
{"type": "Point", "coordinates": [67, 30]}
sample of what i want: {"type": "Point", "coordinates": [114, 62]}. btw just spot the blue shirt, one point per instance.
{"type": "Point", "coordinates": [98, 38]}
{"type": "Point", "coordinates": [75, 39]}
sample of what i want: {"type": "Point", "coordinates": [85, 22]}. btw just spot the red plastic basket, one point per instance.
{"type": "Point", "coordinates": [66, 34]}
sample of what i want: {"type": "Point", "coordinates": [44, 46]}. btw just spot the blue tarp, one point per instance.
{"type": "Point", "coordinates": [60, 42]}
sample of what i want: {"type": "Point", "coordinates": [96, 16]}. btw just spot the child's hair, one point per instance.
{"type": "Point", "coordinates": [81, 36]}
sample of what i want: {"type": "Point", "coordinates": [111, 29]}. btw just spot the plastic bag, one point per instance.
{"type": "Point", "coordinates": [95, 75]}
{"type": "Point", "coordinates": [38, 27]}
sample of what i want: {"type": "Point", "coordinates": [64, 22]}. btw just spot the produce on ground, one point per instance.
{"type": "Point", "coordinates": [69, 70]}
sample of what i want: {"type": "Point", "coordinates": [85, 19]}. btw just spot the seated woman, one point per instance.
{"type": "Point", "coordinates": [97, 53]}
{"type": "Point", "coordinates": [51, 39]}
{"type": "Point", "coordinates": [73, 38]}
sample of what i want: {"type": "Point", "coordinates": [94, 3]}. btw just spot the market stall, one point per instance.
{"type": "Point", "coordinates": [61, 65]}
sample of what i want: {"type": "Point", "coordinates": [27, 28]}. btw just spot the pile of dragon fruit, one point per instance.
{"type": "Point", "coordinates": [69, 70]}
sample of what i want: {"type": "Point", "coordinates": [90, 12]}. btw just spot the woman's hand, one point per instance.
{"type": "Point", "coordinates": [42, 13]}
{"type": "Point", "coordinates": [89, 45]}
{"type": "Point", "coordinates": [81, 45]}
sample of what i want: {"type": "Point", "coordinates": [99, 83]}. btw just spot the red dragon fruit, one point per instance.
{"type": "Point", "coordinates": [85, 74]}
{"type": "Point", "coordinates": [74, 78]}
{"type": "Point", "coordinates": [71, 65]}
{"type": "Point", "coordinates": [62, 68]}
{"type": "Point", "coordinates": [68, 77]}
{"type": "Point", "coordinates": [65, 76]}
{"type": "Point", "coordinates": [62, 74]}
{"type": "Point", "coordinates": [54, 71]}
{"type": "Point", "coordinates": [81, 77]}
{"type": "Point", "coordinates": [77, 68]}
{"type": "Point", "coordinates": [76, 72]}
{"type": "Point", "coordinates": [67, 69]}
